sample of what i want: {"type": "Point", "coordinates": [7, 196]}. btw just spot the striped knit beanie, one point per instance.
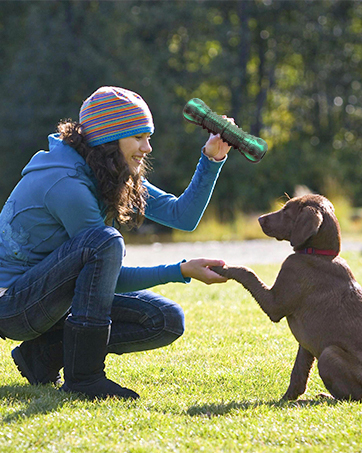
{"type": "Point", "coordinates": [111, 113]}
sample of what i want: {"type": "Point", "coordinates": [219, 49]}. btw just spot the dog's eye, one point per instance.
{"type": "Point", "coordinates": [287, 211]}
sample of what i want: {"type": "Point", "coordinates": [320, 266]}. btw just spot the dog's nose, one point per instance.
{"type": "Point", "coordinates": [262, 220]}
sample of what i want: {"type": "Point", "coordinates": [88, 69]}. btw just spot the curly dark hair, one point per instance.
{"type": "Point", "coordinates": [123, 193]}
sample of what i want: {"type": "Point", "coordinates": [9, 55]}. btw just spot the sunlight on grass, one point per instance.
{"type": "Point", "coordinates": [216, 389]}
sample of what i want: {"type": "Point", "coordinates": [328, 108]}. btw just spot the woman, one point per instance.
{"type": "Point", "coordinates": [64, 291]}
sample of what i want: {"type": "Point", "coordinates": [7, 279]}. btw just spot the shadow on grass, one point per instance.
{"type": "Point", "coordinates": [20, 402]}
{"type": "Point", "coordinates": [215, 409]}
{"type": "Point", "coordinates": [31, 400]}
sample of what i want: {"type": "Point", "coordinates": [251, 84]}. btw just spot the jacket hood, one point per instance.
{"type": "Point", "coordinates": [60, 155]}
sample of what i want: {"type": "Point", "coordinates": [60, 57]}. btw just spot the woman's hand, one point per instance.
{"type": "Point", "coordinates": [215, 147]}
{"type": "Point", "coordinates": [200, 270]}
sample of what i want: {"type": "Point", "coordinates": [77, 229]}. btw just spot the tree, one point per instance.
{"type": "Point", "coordinates": [286, 71]}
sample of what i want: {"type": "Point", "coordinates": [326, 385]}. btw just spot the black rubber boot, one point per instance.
{"type": "Point", "coordinates": [85, 349]}
{"type": "Point", "coordinates": [41, 359]}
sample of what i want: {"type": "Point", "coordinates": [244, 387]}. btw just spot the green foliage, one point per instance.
{"type": "Point", "coordinates": [287, 71]}
{"type": "Point", "coordinates": [216, 389]}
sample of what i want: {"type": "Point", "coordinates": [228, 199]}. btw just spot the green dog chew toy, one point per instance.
{"type": "Point", "coordinates": [197, 112]}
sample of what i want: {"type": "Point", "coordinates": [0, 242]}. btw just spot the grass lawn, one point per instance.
{"type": "Point", "coordinates": [216, 389]}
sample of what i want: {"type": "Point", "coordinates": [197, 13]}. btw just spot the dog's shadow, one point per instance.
{"type": "Point", "coordinates": [215, 409]}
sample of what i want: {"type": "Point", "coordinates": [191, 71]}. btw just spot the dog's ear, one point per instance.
{"type": "Point", "coordinates": [306, 225]}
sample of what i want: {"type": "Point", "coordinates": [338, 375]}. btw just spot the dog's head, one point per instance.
{"type": "Point", "coordinates": [307, 221]}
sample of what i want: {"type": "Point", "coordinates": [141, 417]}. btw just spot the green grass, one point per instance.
{"type": "Point", "coordinates": [216, 389]}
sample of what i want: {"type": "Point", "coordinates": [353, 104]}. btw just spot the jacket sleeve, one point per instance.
{"type": "Point", "coordinates": [73, 205]}
{"type": "Point", "coordinates": [136, 278]}
{"type": "Point", "coordinates": [184, 212]}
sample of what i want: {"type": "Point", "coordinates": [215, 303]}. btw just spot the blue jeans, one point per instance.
{"type": "Point", "coordinates": [78, 281]}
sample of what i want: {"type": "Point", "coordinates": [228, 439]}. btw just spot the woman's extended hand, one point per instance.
{"type": "Point", "coordinates": [199, 269]}
{"type": "Point", "coordinates": [215, 147]}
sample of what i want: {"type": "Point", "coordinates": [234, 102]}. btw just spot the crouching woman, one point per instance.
{"type": "Point", "coordinates": [65, 292]}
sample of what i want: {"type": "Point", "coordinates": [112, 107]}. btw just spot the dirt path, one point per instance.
{"type": "Point", "coordinates": [263, 251]}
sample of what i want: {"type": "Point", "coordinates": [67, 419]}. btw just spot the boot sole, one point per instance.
{"type": "Point", "coordinates": [124, 393]}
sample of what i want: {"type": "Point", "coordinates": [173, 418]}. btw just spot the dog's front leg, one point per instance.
{"type": "Point", "coordinates": [263, 294]}
{"type": "Point", "coordinates": [300, 374]}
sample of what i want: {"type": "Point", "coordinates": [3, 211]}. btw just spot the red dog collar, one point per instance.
{"type": "Point", "coordinates": [313, 251]}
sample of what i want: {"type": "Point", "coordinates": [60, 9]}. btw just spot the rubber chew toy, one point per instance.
{"type": "Point", "coordinates": [197, 112]}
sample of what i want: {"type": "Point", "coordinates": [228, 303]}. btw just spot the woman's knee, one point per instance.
{"type": "Point", "coordinates": [104, 238]}
{"type": "Point", "coordinates": [158, 331]}
{"type": "Point", "coordinates": [174, 318]}
{"type": "Point", "coordinates": [143, 321]}
{"type": "Point", "coordinates": [174, 325]}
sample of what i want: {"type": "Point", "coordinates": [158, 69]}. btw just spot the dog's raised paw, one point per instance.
{"type": "Point", "coordinates": [219, 269]}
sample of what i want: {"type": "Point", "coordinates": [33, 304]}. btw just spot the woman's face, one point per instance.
{"type": "Point", "coordinates": [134, 149]}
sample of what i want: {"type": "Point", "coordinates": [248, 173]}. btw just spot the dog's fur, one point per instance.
{"type": "Point", "coordinates": [317, 294]}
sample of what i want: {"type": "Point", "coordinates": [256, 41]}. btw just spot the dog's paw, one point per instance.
{"type": "Point", "coordinates": [326, 396]}
{"type": "Point", "coordinates": [219, 270]}
{"type": "Point", "coordinates": [290, 396]}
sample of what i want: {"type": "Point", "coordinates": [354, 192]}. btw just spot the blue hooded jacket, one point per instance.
{"type": "Point", "coordinates": [57, 198]}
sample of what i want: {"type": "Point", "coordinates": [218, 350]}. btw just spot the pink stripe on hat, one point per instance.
{"type": "Point", "coordinates": [111, 113]}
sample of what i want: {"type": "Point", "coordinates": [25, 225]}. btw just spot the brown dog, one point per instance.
{"type": "Point", "coordinates": [318, 294]}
